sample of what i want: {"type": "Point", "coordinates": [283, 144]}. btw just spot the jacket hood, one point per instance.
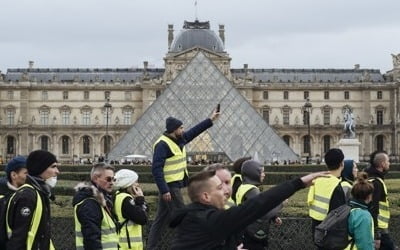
{"type": "Point", "coordinates": [88, 190]}
{"type": "Point", "coordinates": [251, 172]}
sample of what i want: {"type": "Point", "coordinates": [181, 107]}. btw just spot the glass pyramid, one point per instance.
{"type": "Point", "coordinates": [191, 97]}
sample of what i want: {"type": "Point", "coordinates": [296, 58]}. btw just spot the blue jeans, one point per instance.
{"type": "Point", "coordinates": [163, 217]}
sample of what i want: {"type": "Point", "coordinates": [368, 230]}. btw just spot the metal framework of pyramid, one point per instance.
{"type": "Point", "coordinates": [191, 97]}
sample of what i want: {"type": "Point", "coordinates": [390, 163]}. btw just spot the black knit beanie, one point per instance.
{"type": "Point", "coordinates": [172, 123]}
{"type": "Point", "coordinates": [38, 161]}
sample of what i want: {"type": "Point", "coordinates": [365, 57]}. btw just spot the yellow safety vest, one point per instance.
{"type": "Point", "coordinates": [241, 192]}
{"type": "Point", "coordinates": [319, 196]}
{"type": "Point", "coordinates": [384, 212]}
{"type": "Point", "coordinates": [175, 167]}
{"type": "Point", "coordinates": [109, 237]}
{"type": "Point", "coordinates": [130, 235]}
{"type": "Point", "coordinates": [36, 217]}
{"type": "Point", "coordinates": [230, 201]}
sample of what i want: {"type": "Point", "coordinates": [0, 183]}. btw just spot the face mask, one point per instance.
{"type": "Point", "coordinates": [52, 181]}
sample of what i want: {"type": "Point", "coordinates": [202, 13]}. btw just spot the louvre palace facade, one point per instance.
{"type": "Point", "coordinates": [82, 113]}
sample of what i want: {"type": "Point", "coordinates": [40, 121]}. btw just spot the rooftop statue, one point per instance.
{"type": "Point", "coordinates": [396, 60]}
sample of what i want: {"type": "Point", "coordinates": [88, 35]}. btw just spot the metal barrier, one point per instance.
{"type": "Point", "coordinates": [293, 234]}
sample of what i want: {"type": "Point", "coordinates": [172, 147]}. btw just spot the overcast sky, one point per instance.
{"type": "Point", "coordinates": [261, 33]}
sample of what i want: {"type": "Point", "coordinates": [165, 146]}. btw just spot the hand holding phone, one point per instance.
{"type": "Point", "coordinates": [218, 107]}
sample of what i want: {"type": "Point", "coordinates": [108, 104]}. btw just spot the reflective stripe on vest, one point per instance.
{"type": "Point", "coordinates": [36, 217]}
{"type": "Point", "coordinates": [130, 235]}
{"type": "Point", "coordinates": [242, 190]}
{"type": "Point", "coordinates": [320, 196]}
{"type": "Point", "coordinates": [109, 237]}
{"type": "Point", "coordinates": [175, 166]}
{"type": "Point", "coordinates": [384, 212]}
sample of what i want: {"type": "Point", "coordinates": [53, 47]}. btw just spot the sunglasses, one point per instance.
{"type": "Point", "coordinates": [110, 179]}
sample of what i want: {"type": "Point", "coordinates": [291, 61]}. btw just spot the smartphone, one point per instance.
{"type": "Point", "coordinates": [218, 107]}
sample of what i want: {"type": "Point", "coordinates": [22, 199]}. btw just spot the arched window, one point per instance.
{"type": "Point", "coordinates": [86, 144]}
{"type": "Point", "coordinates": [327, 143]}
{"type": "Point", "coordinates": [44, 143]}
{"type": "Point", "coordinates": [10, 145]}
{"type": "Point", "coordinates": [65, 144]}
{"type": "Point", "coordinates": [379, 142]}
{"type": "Point", "coordinates": [286, 139]}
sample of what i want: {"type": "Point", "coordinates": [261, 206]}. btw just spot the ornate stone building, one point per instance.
{"type": "Point", "coordinates": [65, 110]}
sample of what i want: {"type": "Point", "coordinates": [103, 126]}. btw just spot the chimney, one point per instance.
{"type": "Point", "coordinates": [145, 66]}
{"type": "Point", "coordinates": [31, 64]}
{"type": "Point", "coordinates": [357, 66]}
{"type": "Point", "coordinates": [170, 35]}
{"type": "Point", "coordinates": [246, 68]}
{"type": "Point", "coordinates": [222, 33]}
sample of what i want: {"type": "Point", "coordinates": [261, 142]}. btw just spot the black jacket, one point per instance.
{"type": "Point", "coordinates": [378, 195]}
{"type": "Point", "coordinates": [89, 213]}
{"type": "Point", "coordinates": [200, 226]}
{"type": "Point", "coordinates": [134, 209]}
{"type": "Point", "coordinates": [21, 209]}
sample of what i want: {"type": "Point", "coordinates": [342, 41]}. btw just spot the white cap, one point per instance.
{"type": "Point", "coordinates": [125, 178]}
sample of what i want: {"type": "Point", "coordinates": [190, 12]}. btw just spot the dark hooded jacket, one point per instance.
{"type": "Point", "coordinates": [89, 213]}
{"type": "Point", "coordinates": [256, 234]}
{"type": "Point", "coordinates": [200, 226]}
{"type": "Point", "coordinates": [20, 214]}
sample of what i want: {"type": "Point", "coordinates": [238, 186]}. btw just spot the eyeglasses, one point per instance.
{"type": "Point", "coordinates": [110, 179]}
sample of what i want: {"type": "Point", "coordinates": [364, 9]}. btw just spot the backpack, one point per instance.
{"type": "Point", "coordinates": [332, 233]}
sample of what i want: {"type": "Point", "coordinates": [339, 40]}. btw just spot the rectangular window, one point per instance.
{"type": "Point", "coordinates": [379, 95]}
{"type": "Point", "coordinates": [306, 95]}
{"type": "Point", "coordinates": [286, 95]}
{"type": "Point", "coordinates": [65, 117]}
{"type": "Point", "coordinates": [10, 95]}
{"type": "Point", "coordinates": [107, 95]}
{"type": "Point", "coordinates": [265, 115]}
{"type": "Point", "coordinates": [86, 117]}
{"type": "Point", "coordinates": [10, 117]}
{"type": "Point", "coordinates": [86, 95]}
{"type": "Point", "coordinates": [127, 117]}
{"type": "Point", "coordinates": [44, 117]}
{"type": "Point", "coordinates": [286, 117]}
{"type": "Point", "coordinates": [327, 117]}
{"type": "Point", "coordinates": [379, 117]}
{"type": "Point", "coordinates": [65, 95]}
{"type": "Point", "coordinates": [326, 95]}
{"type": "Point", "coordinates": [265, 95]}
{"type": "Point", "coordinates": [45, 95]}
{"type": "Point", "coordinates": [346, 95]}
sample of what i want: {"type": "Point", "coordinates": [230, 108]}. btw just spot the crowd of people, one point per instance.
{"type": "Point", "coordinates": [226, 212]}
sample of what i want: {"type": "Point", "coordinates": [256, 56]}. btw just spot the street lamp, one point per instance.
{"type": "Point", "coordinates": [107, 107]}
{"type": "Point", "coordinates": [307, 109]}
